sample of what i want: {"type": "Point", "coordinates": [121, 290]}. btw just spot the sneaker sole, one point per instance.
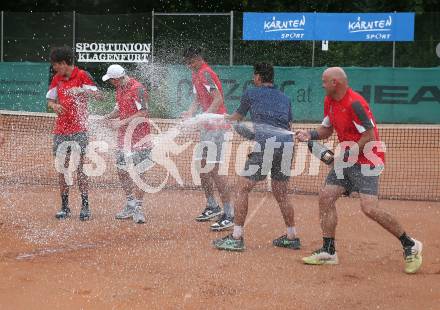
{"type": "Point", "coordinates": [319, 263]}
{"type": "Point", "coordinates": [229, 249]}
{"type": "Point", "coordinates": [139, 220]}
{"type": "Point", "coordinates": [206, 219]}
{"type": "Point", "coordinates": [123, 217]}
{"type": "Point", "coordinates": [84, 218]}
{"type": "Point", "coordinates": [222, 228]}
{"type": "Point", "coordinates": [418, 267]}
{"type": "Point", "coordinates": [62, 217]}
{"type": "Point", "coordinates": [287, 247]}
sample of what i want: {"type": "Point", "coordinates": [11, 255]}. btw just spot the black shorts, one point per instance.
{"type": "Point", "coordinates": [81, 139]}
{"type": "Point", "coordinates": [354, 181]}
{"type": "Point", "coordinates": [279, 170]}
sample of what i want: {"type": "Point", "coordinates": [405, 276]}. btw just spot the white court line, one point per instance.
{"type": "Point", "coordinates": [251, 216]}
{"type": "Point", "coordinates": [49, 251]}
{"type": "Point", "coordinates": [269, 188]}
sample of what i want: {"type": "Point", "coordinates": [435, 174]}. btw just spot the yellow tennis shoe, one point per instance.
{"type": "Point", "coordinates": [413, 257]}
{"type": "Point", "coordinates": [321, 257]}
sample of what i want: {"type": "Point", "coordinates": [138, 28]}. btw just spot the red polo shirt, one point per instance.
{"type": "Point", "coordinates": [74, 119]}
{"type": "Point", "coordinates": [205, 81]}
{"type": "Point", "coordinates": [350, 117]}
{"type": "Point", "coordinates": [131, 98]}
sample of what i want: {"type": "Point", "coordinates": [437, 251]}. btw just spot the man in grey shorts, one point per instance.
{"type": "Point", "coordinates": [68, 96]}
{"type": "Point", "coordinates": [354, 181]}
{"type": "Point", "coordinates": [216, 137]}
{"type": "Point", "coordinates": [271, 112]}
{"type": "Point", "coordinates": [81, 140]}
{"type": "Point", "coordinates": [208, 96]}
{"type": "Point", "coordinates": [357, 169]}
{"type": "Point", "coordinates": [133, 151]}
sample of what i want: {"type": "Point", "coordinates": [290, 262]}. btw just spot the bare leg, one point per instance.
{"type": "Point", "coordinates": [83, 179]}
{"type": "Point", "coordinates": [369, 205]}
{"type": "Point", "coordinates": [241, 204]}
{"type": "Point", "coordinates": [327, 209]}
{"type": "Point", "coordinates": [64, 188]}
{"type": "Point", "coordinates": [279, 191]}
{"type": "Point", "coordinates": [126, 182]}
{"type": "Point", "coordinates": [221, 181]}
{"type": "Point", "coordinates": [206, 182]}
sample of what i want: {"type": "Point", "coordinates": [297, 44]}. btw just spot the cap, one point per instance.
{"type": "Point", "coordinates": [114, 72]}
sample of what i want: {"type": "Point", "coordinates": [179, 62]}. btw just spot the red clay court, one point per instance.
{"type": "Point", "coordinates": [169, 262]}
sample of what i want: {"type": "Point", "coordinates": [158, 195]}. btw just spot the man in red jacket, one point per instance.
{"type": "Point", "coordinates": [133, 147]}
{"type": "Point", "coordinates": [348, 113]}
{"type": "Point", "coordinates": [208, 96]}
{"type": "Point", "coordinates": [68, 96]}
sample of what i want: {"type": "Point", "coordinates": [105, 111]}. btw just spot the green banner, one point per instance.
{"type": "Point", "coordinates": [23, 86]}
{"type": "Point", "coordinates": [399, 95]}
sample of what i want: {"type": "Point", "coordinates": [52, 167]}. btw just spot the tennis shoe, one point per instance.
{"type": "Point", "coordinates": [208, 214]}
{"type": "Point", "coordinates": [413, 257]}
{"type": "Point", "coordinates": [321, 257]}
{"type": "Point", "coordinates": [64, 213]}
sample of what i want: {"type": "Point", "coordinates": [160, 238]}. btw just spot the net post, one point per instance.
{"type": "Point", "coordinates": [1, 39]}
{"type": "Point", "coordinates": [394, 51]}
{"type": "Point", "coordinates": [313, 51]}
{"type": "Point", "coordinates": [152, 36]}
{"type": "Point", "coordinates": [73, 33]}
{"type": "Point", "coordinates": [231, 40]}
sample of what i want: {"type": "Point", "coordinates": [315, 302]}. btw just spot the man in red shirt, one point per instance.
{"type": "Point", "coordinates": [348, 113]}
{"type": "Point", "coordinates": [133, 147]}
{"type": "Point", "coordinates": [208, 95]}
{"type": "Point", "coordinates": [68, 96]}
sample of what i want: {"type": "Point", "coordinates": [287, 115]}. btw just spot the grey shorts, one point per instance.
{"type": "Point", "coordinates": [354, 181]}
{"type": "Point", "coordinates": [205, 149]}
{"type": "Point", "coordinates": [277, 171]}
{"type": "Point", "coordinates": [80, 138]}
{"type": "Point", "coordinates": [142, 157]}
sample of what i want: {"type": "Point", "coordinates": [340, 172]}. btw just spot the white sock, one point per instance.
{"type": "Point", "coordinates": [238, 232]}
{"type": "Point", "coordinates": [131, 202]}
{"type": "Point", "coordinates": [291, 233]}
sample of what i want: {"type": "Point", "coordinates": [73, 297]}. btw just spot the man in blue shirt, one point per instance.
{"type": "Point", "coordinates": [271, 114]}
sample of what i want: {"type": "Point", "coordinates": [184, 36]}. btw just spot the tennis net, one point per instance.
{"type": "Point", "coordinates": [412, 168]}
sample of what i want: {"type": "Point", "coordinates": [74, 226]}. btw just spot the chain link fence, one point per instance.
{"type": "Point", "coordinates": [29, 36]}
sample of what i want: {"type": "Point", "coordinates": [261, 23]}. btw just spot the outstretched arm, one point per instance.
{"type": "Point", "coordinates": [320, 133]}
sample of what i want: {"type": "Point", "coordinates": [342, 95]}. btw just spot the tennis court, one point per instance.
{"type": "Point", "coordinates": [169, 262]}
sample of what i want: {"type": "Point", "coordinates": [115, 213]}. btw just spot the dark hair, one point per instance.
{"type": "Point", "coordinates": [191, 53]}
{"type": "Point", "coordinates": [63, 53]}
{"type": "Point", "coordinates": [265, 71]}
